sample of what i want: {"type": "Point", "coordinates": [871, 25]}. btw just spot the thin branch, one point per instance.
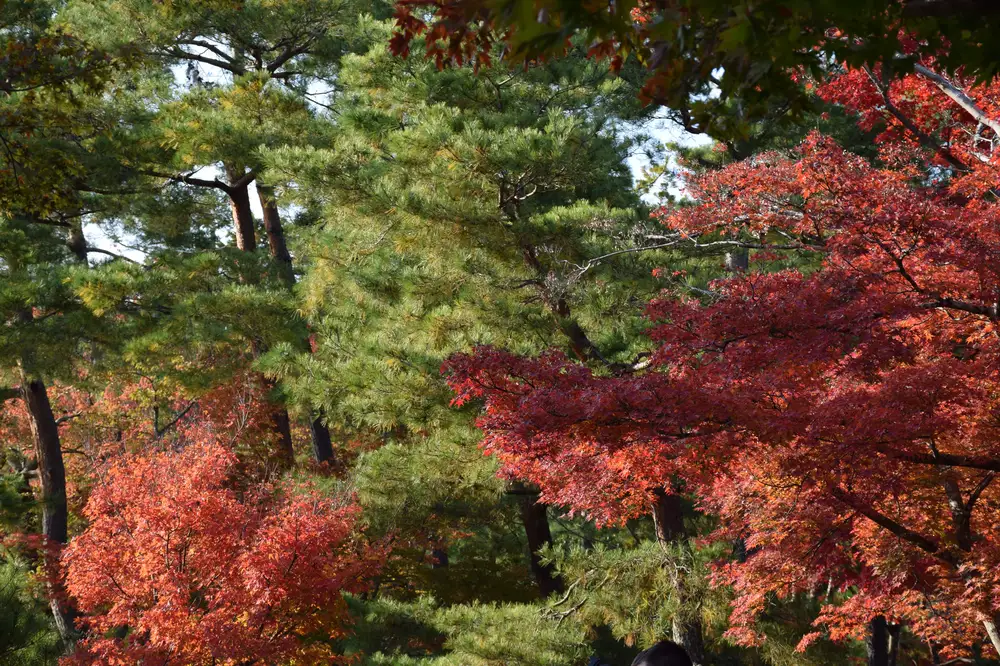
{"type": "Point", "coordinates": [67, 417]}
{"type": "Point", "coordinates": [958, 96]}
{"type": "Point", "coordinates": [210, 47]}
{"type": "Point", "coordinates": [181, 414]}
{"type": "Point", "coordinates": [921, 136]}
{"type": "Point", "coordinates": [97, 250]}
{"type": "Point", "coordinates": [228, 66]}
{"type": "Point", "coordinates": [187, 179]}
{"type": "Point", "coordinates": [880, 519]}
{"type": "Point", "coordinates": [964, 306]}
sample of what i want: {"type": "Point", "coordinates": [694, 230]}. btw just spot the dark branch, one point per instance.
{"type": "Point", "coordinates": [181, 414]}
{"type": "Point", "coordinates": [880, 519]}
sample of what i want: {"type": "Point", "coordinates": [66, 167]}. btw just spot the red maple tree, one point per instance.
{"type": "Point", "coordinates": [841, 420]}
{"type": "Point", "coordinates": [179, 564]}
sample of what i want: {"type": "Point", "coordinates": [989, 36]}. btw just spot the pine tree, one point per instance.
{"type": "Point", "coordinates": [457, 208]}
{"type": "Point", "coordinates": [252, 73]}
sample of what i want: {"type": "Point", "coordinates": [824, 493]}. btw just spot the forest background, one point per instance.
{"type": "Point", "coordinates": [316, 350]}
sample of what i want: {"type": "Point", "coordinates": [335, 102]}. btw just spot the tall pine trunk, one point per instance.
{"type": "Point", "coordinates": [246, 240]}
{"type": "Point", "coordinates": [668, 521]}
{"type": "Point", "coordinates": [536, 528]}
{"type": "Point", "coordinates": [239, 205]}
{"type": "Point", "coordinates": [276, 244]}
{"type": "Point", "coordinates": [322, 443]}
{"type": "Point", "coordinates": [52, 475]}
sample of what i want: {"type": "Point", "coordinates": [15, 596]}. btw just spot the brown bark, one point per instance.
{"type": "Point", "coordinates": [895, 633]}
{"type": "Point", "coordinates": [276, 234]}
{"type": "Point", "coordinates": [668, 521]}
{"type": "Point", "coordinates": [668, 516]}
{"type": "Point", "coordinates": [322, 443]}
{"type": "Point", "coordinates": [239, 204]}
{"type": "Point", "coordinates": [877, 642]}
{"type": "Point", "coordinates": [52, 474]}
{"type": "Point", "coordinates": [283, 428]}
{"type": "Point", "coordinates": [77, 243]}
{"type": "Point", "coordinates": [246, 240]}
{"type": "Point", "coordinates": [536, 528]}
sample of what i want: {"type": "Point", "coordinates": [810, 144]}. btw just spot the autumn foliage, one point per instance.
{"type": "Point", "coordinates": [178, 565]}
{"type": "Point", "coordinates": [841, 421]}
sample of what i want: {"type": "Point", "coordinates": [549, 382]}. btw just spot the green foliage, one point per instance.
{"type": "Point", "coordinates": [396, 634]}
{"type": "Point", "coordinates": [27, 637]}
{"type": "Point", "coordinates": [633, 591]}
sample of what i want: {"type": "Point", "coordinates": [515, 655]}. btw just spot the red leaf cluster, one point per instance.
{"type": "Point", "coordinates": [842, 422]}
{"type": "Point", "coordinates": [179, 566]}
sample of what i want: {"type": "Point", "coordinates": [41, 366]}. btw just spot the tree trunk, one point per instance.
{"type": "Point", "coordinates": [276, 244]}
{"type": "Point", "coordinates": [536, 527]}
{"type": "Point", "coordinates": [52, 474]}
{"type": "Point", "coordinates": [322, 443]}
{"type": "Point", "coordinates": [283, 428]}
{"type": "Point", "coordinates": [738, 261]}
{"type": "Point", "coordinates": [439, 557]}
{"type": "Point", "coordinates": [77, 242]}
{"type": "Point", "coordinates": [239, 204]}
{"type": "Point", "coordinates": [993, 632]}
{"type": "Point", "coordinates": [668, 516]}
{"type": "Point", "coordinates": [895, 633]}
{"type": "Point", "coordinates": [668, 521]}
{"type": "Point", "coordinates": [688, 634]}
{"type": "Point", "coordinates": [877, 643]}
{"type": "Point", "coordinates": [246, 240]}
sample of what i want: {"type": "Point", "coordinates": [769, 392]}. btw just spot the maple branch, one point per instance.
{"type": "Point", "coordinates": [958, 96]}
{"type": "Point", "coordinates": [159, 432]}
{"type": "Point", "coordinates": [67, 417]}
{"type": "Point", "coordinates": [880, 519]}
{"type": "Point", "coordinates": [979, 489]}
{"type": "Point", "coordinates": [964, 306]}
{"type": "Point", "coordinates": [921, 136]}
{"type": "Point", "coordinates": [946, 459]}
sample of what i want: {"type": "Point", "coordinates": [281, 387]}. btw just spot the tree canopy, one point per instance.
{"type": "Point", "coordinates": [451, 332]}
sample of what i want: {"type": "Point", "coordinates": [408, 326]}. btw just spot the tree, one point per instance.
{"type": "Point", "coordinates": [253, 72]}
{"type": "Point", "coordinates": [48, 147]}
{"type": "Point", "coordinates": [178, 563]}
{"type": "Point", "coordinates": [459, 206]}
{"type": "Point", "coordinates": [755, 393]}
{"type": "Point", "coordinates": [739, 51]}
